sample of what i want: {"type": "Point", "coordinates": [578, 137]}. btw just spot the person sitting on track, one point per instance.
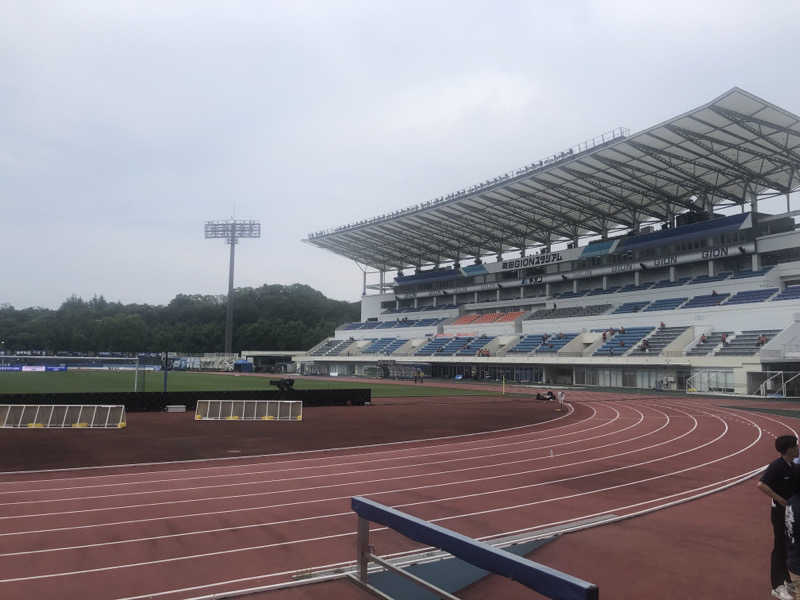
{"type": "Point", "coordinates": [550, 396]}
{"type": "Point", "coordinates": [776, 482]}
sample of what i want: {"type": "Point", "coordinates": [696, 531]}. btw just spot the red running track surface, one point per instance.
{"type": "Point", "coordinates": [188, 529]}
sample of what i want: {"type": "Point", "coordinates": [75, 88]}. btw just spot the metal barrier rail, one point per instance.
{"type": "Point", "coordinates": [62, 416]}
{"type": "Point", "coordinates": [547, 581]}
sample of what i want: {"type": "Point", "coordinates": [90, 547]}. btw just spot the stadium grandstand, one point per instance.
{"type": "Point", "coordinates": [632, 260]}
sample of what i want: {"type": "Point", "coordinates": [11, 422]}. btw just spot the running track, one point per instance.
{"type": "Point", "coordinates": [189, 529]}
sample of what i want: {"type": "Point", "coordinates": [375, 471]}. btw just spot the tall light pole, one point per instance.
{"type": "Point", "coordinates": [231, 231]}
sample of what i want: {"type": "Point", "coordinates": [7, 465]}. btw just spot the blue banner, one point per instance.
{"type": "Point", "coordinates": [58, 368]}
{"type": "Point", "coordinates": [10, 368]}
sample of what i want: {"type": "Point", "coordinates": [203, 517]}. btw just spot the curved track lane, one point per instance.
{"type": "Point", "coordinates": [188, 529]}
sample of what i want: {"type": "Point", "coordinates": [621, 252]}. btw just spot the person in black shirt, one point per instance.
{"type": "Point", "coordinates": [793, 536]}
{"type": "Point", "coordinates": [777, 483]}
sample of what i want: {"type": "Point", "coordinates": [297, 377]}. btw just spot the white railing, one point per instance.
{"type": "Point", "coordinates": [600, 140]}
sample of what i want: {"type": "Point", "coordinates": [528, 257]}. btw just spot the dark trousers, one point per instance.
{"type": "Point", "coordinates": [778, 571]}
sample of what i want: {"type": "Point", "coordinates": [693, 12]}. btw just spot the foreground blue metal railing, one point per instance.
{"type": "Point", "coordinates": [544, 580]}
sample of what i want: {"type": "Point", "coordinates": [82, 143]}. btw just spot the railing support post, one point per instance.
{"type": "Point", "coordinates": [362, 548]}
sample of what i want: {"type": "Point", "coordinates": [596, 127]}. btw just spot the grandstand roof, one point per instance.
{"type": "Point", "coordinates": [722, 153]}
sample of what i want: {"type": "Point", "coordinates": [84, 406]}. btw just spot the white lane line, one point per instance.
{"type": "Point", "coordinates": [363, 482]}
{"type": "Point", "coordinates": [289, 490]}
{"type": "Point", "coordinates": [411, 551]}
{"type": "Point", "coordinates": [271, 481]}
{"type": "Point", "coordinates": [349, 495]}
{"type": "Point", "coordinates": [477, 480]}
{"type": "Point", "coordinates": [440, 519]}
{"type": "Point", "coordinates": [259, 456]}
{"type": "Point", "coordinates": [272, 470]}
{"type": "Point", "coordinates": [342, 460]}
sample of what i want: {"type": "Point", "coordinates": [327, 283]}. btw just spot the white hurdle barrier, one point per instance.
{"type": "Point", "coordinates": [249, 410]}
{"type": "Point", "coordinates": [62, 416]}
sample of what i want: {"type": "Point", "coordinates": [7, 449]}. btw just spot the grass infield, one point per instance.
{"type": "Point", "coordinates": [178, 381]}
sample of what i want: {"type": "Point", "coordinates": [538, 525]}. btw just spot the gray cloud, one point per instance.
{"type": "Point", "coordinates": [127, 125]}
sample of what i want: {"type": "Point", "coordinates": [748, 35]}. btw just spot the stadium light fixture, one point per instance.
{"type": "Point", "coordinates": [231, 231]}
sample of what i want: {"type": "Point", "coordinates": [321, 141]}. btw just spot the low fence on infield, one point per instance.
{"type": "Point", "coordinates": [540, 578]}
{"type": "Point", "coordinates": [62, 416]}
{"type": "Point", "coordinates": [249, 410]}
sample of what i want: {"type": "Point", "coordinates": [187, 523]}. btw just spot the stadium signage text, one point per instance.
{"type": "Point", "coordinates": [621, 268]}
{"type": "Point", "coordinates": [665, 261]}
{"type": "Point", "coordinates": [532, 261]}
{"type": "Point", "coordinates": [715, 252]}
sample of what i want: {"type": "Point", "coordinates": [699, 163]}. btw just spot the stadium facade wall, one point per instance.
{"type": "Point", "coordinates": [371, 305]}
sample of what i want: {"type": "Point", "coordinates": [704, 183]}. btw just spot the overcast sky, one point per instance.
{"type": "Point", "coordinates": [126, 125]}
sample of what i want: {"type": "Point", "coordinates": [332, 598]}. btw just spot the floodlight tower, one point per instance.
{"type": "Point", "coordinates": [231, 230]}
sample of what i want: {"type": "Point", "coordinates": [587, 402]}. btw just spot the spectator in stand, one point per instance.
{"type": "Point", "coordinates": [661, 326]}
{"type": "Point", "coordinates": [703, 339]}
{"type": "Point", "coordinates": [604, 336]}
{"type": "Point", "coordinates": [724, 339]}
{"type": "Point", "coordinates": [713, 292]}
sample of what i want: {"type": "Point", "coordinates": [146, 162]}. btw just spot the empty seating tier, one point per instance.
{"type": "Point", "coordinates": [601, 291]}
{"type": "Point", "coordinates": [572, 311]}
{"type": "Point", "coordinates": [394, 345]}
{"type": "Point", "coordinates": [511, 316]}
{"type": "Point", "coordinates": [751, 296]}
{"type": "Point", "coordinates": [631, 307]}
{"type": "Point", "coordinates": [631, 287]}
{"type": "Point", "coordinates": [705, 301]}
{"type": "Point", "coordinates": [379, 346]}
{"type": "Point", "coordinates": [487, 318]}
{"type": "Point", "coordinates": [331, 348]}
{"type": "Point", "coordinates": [711, 278]}
{"type": "Point", "coordinates": [666, 283]}
{"type": "Point", "coordinates": [745, 274]}
{"type": "Point", "coordinates": [790, 293]}
{"type": "Point", "coordinates": [528, 343]}
{"type": "Point", "coordinates": [665, 304]}
{"type": "Point", "coordinates": [433, 346]}
{"type": "Point", "coordinates": [465, 319]}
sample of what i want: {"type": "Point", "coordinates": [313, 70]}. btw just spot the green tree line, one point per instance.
{"type": "Point", "coordinates": [270, 317]}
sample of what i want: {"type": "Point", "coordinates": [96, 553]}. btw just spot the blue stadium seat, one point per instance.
{"type": "Point", "coordinates": [631, 307]}
{"type": "Point", "coordinates": [665, 304]}
{"type": "Point", "coordinates": [790, 293]}
{"type": "Point", "coordinates": [472, 348]}
{"type": "Point", "coordinates": [751, 296]}
{"type": "Point", "coordinates": [707, 300]}
{"type": "Point", "coordinates": [528, 343]}
{"type": "Point", "coordinates": [746, 274]}
{"type": "Point", "coordinates": [555, 342]}
{"type": "Point", "coordinates": [620, 343]}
